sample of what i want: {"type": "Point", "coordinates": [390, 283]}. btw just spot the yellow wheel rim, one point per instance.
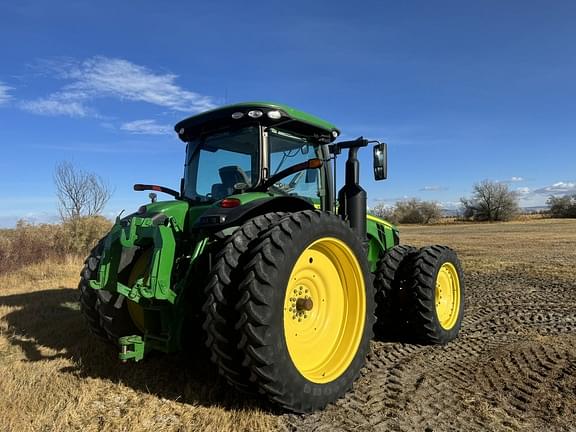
{"type": "Point", "coordinates": [447, 296]}
{"type": "Point", "coordinates": [139, 269]}
{"type": "Point", "coordinates": [324, 310]}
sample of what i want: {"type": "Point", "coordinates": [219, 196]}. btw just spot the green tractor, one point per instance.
{"type": "Point", "coordinates": [258, 258]}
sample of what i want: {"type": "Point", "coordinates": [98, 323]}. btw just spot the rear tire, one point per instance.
{"type": "Point", "coordinates": [307, 276]}
{"type": "Point", "coordinates": [390, 284]}
{"type": "Point", "coordinates": [435, 289]}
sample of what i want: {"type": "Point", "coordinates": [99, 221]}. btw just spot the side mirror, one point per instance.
{"type": "Point", "coordinates": [380, 161]}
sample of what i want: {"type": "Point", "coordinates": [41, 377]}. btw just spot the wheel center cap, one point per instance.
{"type": "Point", "coordinates": [304, 304]}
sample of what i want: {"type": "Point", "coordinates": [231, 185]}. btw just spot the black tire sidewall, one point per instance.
{"type": "Point", "coordinates": [449, 256]}
{"type": "Point", "coordinates": [310, 395]}
{"type": "Point", "coordinates": [389, 283]}
{"type": "Point", "coordinates": [446, 335]}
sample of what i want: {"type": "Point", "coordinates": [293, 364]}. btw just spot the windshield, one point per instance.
{"type": "Point", "coordinates": [218, 161]}
{"type": "Point", "coordinates": [287, 150]}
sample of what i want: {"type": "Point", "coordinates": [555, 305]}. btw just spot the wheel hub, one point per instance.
{"type": "Point", "coordinates": [304, 304]}
{"type": "Point", "coordinates": [300, 304]}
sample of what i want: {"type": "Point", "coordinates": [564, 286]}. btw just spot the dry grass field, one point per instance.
{"type": "Point", "coordinates": [513, 368]}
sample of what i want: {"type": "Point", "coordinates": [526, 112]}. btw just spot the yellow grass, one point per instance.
{"type": "Point", "coordinates": [56, 377]}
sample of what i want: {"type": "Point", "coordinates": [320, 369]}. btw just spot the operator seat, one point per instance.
{"type": "Point", "coordinates": [230, 175]}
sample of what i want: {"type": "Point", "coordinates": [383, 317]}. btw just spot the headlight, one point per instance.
{"type": "Point", "coordinates": [255, 113]}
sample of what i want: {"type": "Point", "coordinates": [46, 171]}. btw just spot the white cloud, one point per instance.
{"type": "Point", "coordinates": [5, 95]}
{"type": "Point", "coordinates": [523, 190]}
{"type": "Point", "coordinates": [558, 188]}
{"type": "Point", "coordinates": [53, 106]}
{"type": "Point", "coordinates": [433, 188]}
{"type": "Point", "coordinates": [103, 77]}
{"type": "Point", "coordinates": [538, 197]}
{"type": "Point", "coordinates": [513, 179]}
{"type": "Point", "coordinates": [146, 127]}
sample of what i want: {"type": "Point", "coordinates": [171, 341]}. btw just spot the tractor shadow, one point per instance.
{"type": "Point", "coordinates": [48, 325]}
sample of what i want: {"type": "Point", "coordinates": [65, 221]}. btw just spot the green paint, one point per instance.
{"type": "Point", "coordinates": [142, 232]}
{"type": "Point", "coordinates": [175, 209]}
{"type": "Point", "coordinates": [381, 236]}
{"type": "Point", "coordinates": [131, 348]}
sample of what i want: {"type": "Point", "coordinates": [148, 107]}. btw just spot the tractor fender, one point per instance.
{"type": "Point", "coordinates": [220, 218]}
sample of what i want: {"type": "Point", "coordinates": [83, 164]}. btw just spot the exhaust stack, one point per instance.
{"type": "Point", "coordinates": [352, 197]}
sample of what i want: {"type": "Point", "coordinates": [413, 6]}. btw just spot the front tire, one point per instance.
{"type": "Point", "coordinates": [105, 312]}
{"type": "Point", "coordinates": [88, 297]}
{"type": "Point", "coordinates": [306, 311]}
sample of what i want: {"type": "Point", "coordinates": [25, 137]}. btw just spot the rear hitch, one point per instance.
{"type": "Point", "coordinates": [131, 348]}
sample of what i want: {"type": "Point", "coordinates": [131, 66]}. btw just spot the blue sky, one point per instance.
{"type": "Point", "coordinates": [462, 91]}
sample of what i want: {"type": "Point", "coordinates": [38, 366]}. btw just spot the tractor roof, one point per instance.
{"type": "Point", "coordinates": [284, 117]}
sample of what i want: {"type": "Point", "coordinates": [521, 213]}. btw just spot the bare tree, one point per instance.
{"type": "Point", "coordinates": [491, 201]}
{"type": "Point", "coordinates": [79, 193]}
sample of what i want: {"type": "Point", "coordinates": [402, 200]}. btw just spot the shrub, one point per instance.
{"type": "Point", "coordinates": [80, 235]}
{"type": "Point", "coordinates": [29, 244]}
{"type": "Point", "coordinates": [410, 211]}
{"type": "Point", "coordinates": [416, 211]}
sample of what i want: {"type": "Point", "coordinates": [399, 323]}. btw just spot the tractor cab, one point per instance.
{"type": "Point", "coordinates": [240, 148]}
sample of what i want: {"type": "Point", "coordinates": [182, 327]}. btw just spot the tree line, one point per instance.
{"type": "Point", "coordinates": [490, 201]}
